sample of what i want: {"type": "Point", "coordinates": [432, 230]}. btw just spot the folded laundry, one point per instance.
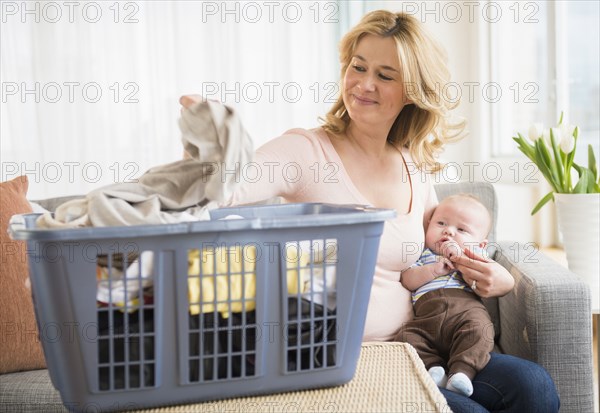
{"type": "Point", "coordinates": [122, 289]}
{"type": "Point", "coordinates": [322, 261]}
{"type": "Point", "coordinates": [223, 321]}
{"type": "Point", "coordinates": [223, 279]}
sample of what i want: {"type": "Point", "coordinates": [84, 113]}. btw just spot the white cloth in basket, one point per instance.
{"type": "Point", "coordinates": [179, 191]}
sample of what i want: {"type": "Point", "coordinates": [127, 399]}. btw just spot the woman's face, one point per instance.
{"type": "Point", "coordinates": [373, 91]}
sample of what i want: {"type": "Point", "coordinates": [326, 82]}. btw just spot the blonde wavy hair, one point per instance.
{"type": "Point", "coordinates": [424, 126]}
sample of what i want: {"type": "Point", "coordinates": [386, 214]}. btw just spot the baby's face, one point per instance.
{"type": "Point", "coordinates": [462, 220]}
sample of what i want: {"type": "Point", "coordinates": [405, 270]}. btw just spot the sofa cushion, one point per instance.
{"type": "Point", "coordinates": [20, 347]}
{"type": "Point", "coordinates": [29, 391]}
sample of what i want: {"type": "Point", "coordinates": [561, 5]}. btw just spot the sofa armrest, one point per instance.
{"type": "Point", "coordinates": [547, 318]}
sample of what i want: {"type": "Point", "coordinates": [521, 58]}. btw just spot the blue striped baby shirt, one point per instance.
{"type": "Point", "coordinates": [450, 280]}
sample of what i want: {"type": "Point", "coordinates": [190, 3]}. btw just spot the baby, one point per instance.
{"type": "Point", "coordinates": [451, 328]}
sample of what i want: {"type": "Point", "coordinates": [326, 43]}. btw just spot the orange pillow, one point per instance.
{"type": "Point", "coordinates": [20, 347]}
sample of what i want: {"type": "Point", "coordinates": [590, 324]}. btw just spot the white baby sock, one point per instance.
{"type": "Point", "coordinates": [438, 375]}
{"type": "Point", "coordinates": [460, 383]}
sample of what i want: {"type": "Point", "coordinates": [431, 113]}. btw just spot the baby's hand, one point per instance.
{"type": "Point", "coordinates": [451, 249]}
{"type": "Point", "coordinates": [443, 266]}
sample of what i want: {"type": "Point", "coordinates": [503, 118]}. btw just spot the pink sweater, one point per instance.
{"type": "Point", "coordinates": [303, 166]}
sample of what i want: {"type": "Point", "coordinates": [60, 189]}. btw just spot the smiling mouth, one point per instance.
{"type": "Point", "coordinates": [364, 100]}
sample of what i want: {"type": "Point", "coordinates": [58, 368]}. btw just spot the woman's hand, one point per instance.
{"type": "Point", "coordinates": [492, 279]}
{"type": "Point", "coordinates": [188, 100]}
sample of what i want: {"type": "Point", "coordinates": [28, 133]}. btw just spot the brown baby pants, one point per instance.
{"type": "Point", "coordinates": [452, 329]}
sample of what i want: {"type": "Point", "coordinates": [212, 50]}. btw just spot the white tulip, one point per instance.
{"type": "Point", "coordinates": [546, 137]}
{"type": "Point", "coordinates": [567, 143]}
{"type": "Point", "coordinates": [557, 132]}
{"type": "Point", "coordinates": [535, 131]}
{"type": "Point", "coordinates": [567, 129]}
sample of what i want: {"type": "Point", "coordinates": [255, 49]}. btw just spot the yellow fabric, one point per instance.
{"type": "Point", "coordinates": [218, 291]}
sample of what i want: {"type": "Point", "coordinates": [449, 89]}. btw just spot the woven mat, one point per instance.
{"type": "Point", "coordinates": [389, 377]}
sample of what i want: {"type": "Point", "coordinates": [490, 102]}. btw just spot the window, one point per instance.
{"type": "Point", "coordinates": [545, 60]}
{"type": "Point", "coordinates": [583, 71]}
{"type": "Point", "coordinates": [518, 67]}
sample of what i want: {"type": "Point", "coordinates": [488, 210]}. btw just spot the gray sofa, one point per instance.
{"type": "Point", "coordinates": [546, 319]}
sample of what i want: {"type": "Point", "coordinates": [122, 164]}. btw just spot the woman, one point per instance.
{"type": "Point", "coordinates": [377, 147]}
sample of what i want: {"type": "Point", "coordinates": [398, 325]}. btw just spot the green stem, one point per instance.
{"type": "Point", "coordinates": [569, 163]}
{"type": "Point", "coordinates": [559, 164]}
{"type": "Point", "coordinates": [545, 164]}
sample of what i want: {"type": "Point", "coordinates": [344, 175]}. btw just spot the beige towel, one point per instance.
{"type": "Point", "coordinates": [180, 191]}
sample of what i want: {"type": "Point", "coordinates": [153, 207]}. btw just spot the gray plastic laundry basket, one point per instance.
{"type": "Point", "coordinates": [261, 299]}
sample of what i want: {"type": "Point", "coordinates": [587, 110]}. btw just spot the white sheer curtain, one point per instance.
{"type": "Point", "coordinates": [90, 90]}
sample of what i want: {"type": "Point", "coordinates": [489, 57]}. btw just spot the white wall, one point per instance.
{"type": "Point", "coordinates": [155, 52]}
